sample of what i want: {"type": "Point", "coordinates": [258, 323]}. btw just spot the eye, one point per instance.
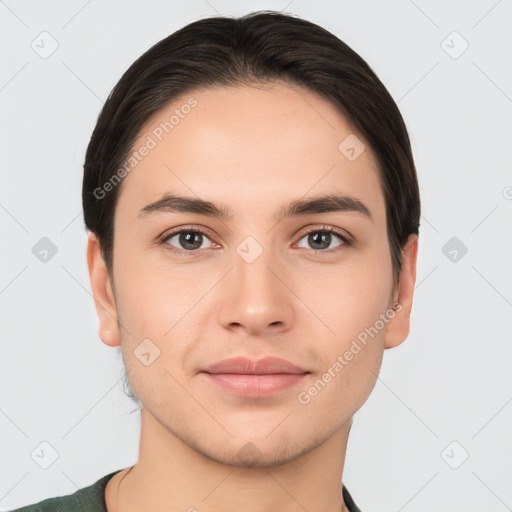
{"type": "Point", "coordinates": [187, 240]}
{"type": "Point", "coordinates": [320, 239]}
{"type": "Point", "coordinates": [191, 240]}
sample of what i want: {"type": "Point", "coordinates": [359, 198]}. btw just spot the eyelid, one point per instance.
{"type": "Point", "coordinates": [188, 228]}
{"type": "Point", "coordinates": [344, 235]}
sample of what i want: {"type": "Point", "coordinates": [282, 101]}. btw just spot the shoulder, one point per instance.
{"type": "Point", "coordinates": [87, 499]}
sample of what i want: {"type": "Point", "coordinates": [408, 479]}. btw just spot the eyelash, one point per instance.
{"type": "Point", "coordinates": [347, 240]}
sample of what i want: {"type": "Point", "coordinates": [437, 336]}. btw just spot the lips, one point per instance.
{"type": "Point", "coordinates": [266, 377]}
{"type": "Point", "coordinates": [245, 366]}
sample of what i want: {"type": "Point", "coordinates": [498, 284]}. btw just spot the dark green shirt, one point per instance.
{"type": "Point", "coordinates": [92, 499]}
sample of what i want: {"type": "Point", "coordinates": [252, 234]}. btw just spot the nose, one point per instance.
{"type": "Point", "coordinates": [256, 296]}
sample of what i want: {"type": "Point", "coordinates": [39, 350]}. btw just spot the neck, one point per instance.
{"type": "Point", "coordinates": [171, 476]}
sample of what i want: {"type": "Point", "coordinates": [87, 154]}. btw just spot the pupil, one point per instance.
{"type": "Point", "coordinates": [324, 236]}
{"type": "Point", "coordinates": [187, 238]}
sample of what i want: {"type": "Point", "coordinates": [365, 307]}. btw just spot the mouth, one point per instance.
{"type": "Point", "coordinates": [255, 379]}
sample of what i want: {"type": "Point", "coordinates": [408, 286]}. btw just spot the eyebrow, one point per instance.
{"type": "Point", "coordinates": [327, 203]}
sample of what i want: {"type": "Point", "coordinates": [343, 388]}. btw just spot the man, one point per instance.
{"type": "Point", "coordinates": [253, 213]}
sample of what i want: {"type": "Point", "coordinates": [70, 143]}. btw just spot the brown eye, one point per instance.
{"type": "Point", "coordinates": [322, 239]}
{"type": "Point", "coordinates": [187, 240]}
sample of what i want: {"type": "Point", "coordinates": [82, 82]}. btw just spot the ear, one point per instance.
{"type": "Point", "coordinates": [103, 294]}
{"type": "Point", "coordinates": [398, 327]}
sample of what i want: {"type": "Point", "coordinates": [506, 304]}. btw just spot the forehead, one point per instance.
{"type": "Point", "coordinates": [249, 147]}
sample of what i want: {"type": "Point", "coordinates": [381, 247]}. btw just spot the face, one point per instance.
{"type": "Point", "coordinates": [312, 287]}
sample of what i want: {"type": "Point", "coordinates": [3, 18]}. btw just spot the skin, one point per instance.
{"type": "Point", "coordinates": [253, 149]}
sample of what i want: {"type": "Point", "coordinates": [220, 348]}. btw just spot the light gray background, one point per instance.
{"type": "Point", "coordinates": [450, 381]}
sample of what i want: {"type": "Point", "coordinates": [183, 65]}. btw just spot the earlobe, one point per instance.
{"type": "Point", "coordinates": [103, 294]}
{"type": "Point", "coordinates": [398, 328]}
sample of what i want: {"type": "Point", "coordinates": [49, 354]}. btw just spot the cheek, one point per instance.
{"type": "Point", "coordinates": [351, 303]}
{"type": "Point", "coordinates": [151, 296]}
{"type": "Point", "coordinates": [164, 305]}
{"type": "Point", "coordinates": [350, 351]}
{"type": "Point", "coordinates": [350, 298]}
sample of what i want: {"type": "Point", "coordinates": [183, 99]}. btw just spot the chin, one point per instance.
{"type": "Point", "coordinates": [257, 453]}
